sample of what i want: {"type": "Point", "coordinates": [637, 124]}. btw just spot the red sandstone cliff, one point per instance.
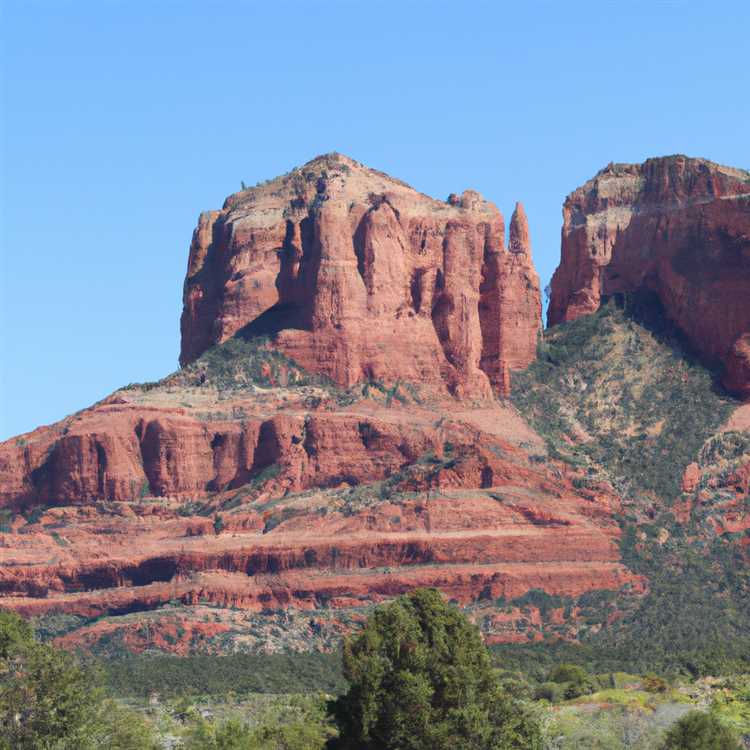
{"type": "Point", "coordinates": [675, 226]}
{"type": "Point", "coordinates": [126, 450]}
{"type": "Point", "coordinates": [324, 507]}
{"type": "Point", "coordinates": [344, 265]}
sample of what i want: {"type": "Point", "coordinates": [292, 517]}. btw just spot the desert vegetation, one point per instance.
{"type": "Point", "coordinates": [49, 700]}
{"type": "Point", "coordinates": [416, 676]}
{"type": "Point", "coordinates": [620, 398]}
{"type": "Point", "coordinates": [620, 394]}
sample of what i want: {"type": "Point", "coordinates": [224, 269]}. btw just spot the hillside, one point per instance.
{"type": "Point", "coordinates": [354, 496]}
{"type": "Point", "coordinates": [620, 395]}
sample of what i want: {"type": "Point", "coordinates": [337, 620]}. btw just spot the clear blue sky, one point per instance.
{"type": "Point", "coordinates": [121, 121]}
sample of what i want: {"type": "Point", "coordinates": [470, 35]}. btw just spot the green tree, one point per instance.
{"type": "Point", "coordinates": [14, 633]}
{"type": "Point", "coordinates": [699, 731]}
{"type": "Point", "coordinates": [48, 701]}
{"type": "Point", "coordinates": [297, 735]}
{"type": "Point", "coordinates": [119, 728]}
{"type": "Point", "coordinates": [420, 679]}
{"type": "Point", "coordinates": [574, 679]}
{"type": "Point", "coordinates": [231, 735]}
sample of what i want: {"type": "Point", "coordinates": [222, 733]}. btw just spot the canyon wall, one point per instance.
{"type": "Point", "coordinates": [125, 451]}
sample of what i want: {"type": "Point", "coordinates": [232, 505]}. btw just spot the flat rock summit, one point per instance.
{"type": "Point", "coordinates": [350, 420]}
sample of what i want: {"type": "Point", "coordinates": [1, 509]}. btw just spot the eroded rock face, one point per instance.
{"type": "Point", "coordinates": [286, 505]}
{"type": "Point", "coordinates": [675, 226]}
{"type": "Point", "coordinates": [261, 500]}
{"type": "Point", "coordinates": [322, 512]}
{"type": "Point", "coordinates": [123, 452]}
{"type": "Point", "coordinates": [359, 277]}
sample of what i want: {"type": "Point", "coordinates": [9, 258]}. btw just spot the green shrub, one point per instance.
{"type": "Point", "coordinates": [573, 680]}
{"type": "Point", "coordinates": [699, 731]}
{"type": "Point", "coordinates": [549, 691]}
{"type": "Point", "coordinates": [654, 684]}
{"type": "Point", "coordinates": [568, 673]}
{"type": "Point", "coordinates": [275, 732]}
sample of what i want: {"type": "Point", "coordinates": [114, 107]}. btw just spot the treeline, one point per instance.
{"type": "Point", "coordinates": [140, 676]}
{"type": "Point", "coordinates": [172, 676]}
{"type": "Point", "coordinates": [535, 660]}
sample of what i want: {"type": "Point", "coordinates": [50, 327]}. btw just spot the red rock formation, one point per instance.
{"type": "Point", "coordinates": [123, 451]}
{"type": "Point", "coordinates": [365, 501]}
{"type": "Point", "coordinates": [509, 306]}
{"type": "Point", "coordinates": [486, 525]}
{"type": "Point", "coordinates": [675, 226]}
{"type": "Point", "coordinates": [306, 590]}
{"type": "Point", "coordinates": [343, 265]}
{"type": "Point", "coordinates": [269, 492]}
{"type": "Point", "coordinates": [691, 477]}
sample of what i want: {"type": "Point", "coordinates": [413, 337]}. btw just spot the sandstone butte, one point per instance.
{"type": "Point", "coordinates": [336, 435]}
{"type": "Point", "coordinates": [675, 226]}
{"type": "Point", "coordinates": [343, 265]}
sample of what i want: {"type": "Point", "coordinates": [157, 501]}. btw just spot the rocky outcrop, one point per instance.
{"type": "Point", "coordinates": [675, 226]}
{"type": "Point", "coordinates": [357, 276]}
{"type": "Point", "coordinates": [288, 501]}
{"type": "Point", "coordinates": [124, 452]}
{"type": "Point", "coordinates": [480, 521]}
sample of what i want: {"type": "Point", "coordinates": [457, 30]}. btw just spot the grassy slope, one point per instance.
{"type": "Point", "coordinates": [619, 395]}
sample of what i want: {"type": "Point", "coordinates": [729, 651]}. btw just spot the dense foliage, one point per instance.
{"type": "Point", "coordinates": [298, 724]}
{"type": "Point", "coordinates": [621, 652]}
{"type": "Point", "coordinates": [420, 678]}
{"type": "Point", "coordinates": [700, 731]}
{"type": "Point", "coordinates": [48, 701]}
{"type": "Point", "coordinates": [217, 675]}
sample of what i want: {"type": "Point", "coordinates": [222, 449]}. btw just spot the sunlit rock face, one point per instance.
{"type": "Point", "coordinates": [675, 226]}
{"type": "Point", "coordinates": [247, 503]}
{"type": "Point", "coordinates": [359, 277]}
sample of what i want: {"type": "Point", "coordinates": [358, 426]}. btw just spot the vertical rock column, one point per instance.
{"type": "Point", "coordinates": [456, 310]}
{"type": "Point", "coordinates": [339, 302]}
{"type": "Point", "coordinates": [510, 304]}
